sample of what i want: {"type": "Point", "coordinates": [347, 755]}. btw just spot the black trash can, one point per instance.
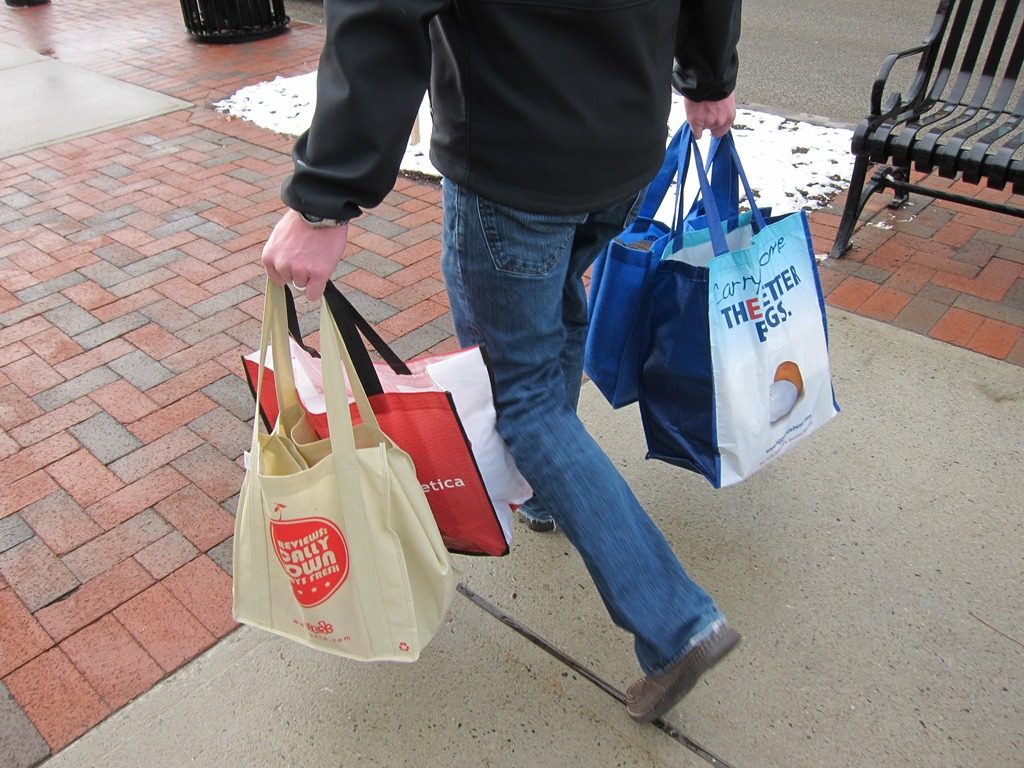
{"type": "Point", "coordinates": [233, 21]}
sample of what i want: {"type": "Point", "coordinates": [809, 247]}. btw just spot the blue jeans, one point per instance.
{"type": "Point", "coordinates": [515, 286]}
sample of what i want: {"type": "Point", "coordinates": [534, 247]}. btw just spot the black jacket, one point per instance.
{"type": "Point", "coordinates": [554, 106]}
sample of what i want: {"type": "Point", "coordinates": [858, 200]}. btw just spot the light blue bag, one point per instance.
{"type": "Point", "coordinates": [734, 361]}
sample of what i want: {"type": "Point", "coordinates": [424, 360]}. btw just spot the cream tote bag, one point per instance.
{"type": "Point", "coordinates": [335, 545]}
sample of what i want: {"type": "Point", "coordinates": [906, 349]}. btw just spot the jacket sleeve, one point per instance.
{"type": "Point", "coordinates": [706, 60]}
{"type": "Point", "coordinates": [373, 73]}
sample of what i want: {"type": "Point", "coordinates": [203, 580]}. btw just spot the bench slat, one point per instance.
{"type": "Point", "coordinates": [920, 133]}
{"type": "Point", "coordinates": [971, 163]}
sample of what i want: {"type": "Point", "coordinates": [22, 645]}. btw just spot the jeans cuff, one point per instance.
{"type": "Point", "coordinates": [715, 623]}
{"type": "Point", "coordinates": [535, 513]}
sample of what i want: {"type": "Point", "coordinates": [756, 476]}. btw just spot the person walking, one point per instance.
{"type": "Point", "coordinates": [549, 119]}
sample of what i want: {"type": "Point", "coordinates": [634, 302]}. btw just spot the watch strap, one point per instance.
{"type": "Point", "coordinates": [319, 221]}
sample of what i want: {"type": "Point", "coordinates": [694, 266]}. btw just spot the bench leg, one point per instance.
{"type": "Point", "coordinates": [900, 195]}
{"type": "Point", "coordinates": [856, 197]}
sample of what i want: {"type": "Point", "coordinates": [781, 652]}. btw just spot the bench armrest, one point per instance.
{"type": "Point", "coordinates": [928, 52]}
{"type": "Point", "coordinates": [896, 102]}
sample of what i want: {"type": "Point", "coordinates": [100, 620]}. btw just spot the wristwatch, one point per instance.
{"type": "Point", "coordinates": [317, 222]}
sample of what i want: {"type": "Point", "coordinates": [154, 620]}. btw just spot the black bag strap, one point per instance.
{"type": "Point", "coordinates": [343, 311]}
{"type": "Point", "coordinates": [354, 329]}
{"type": "Point", "coordinates": [293, 322]}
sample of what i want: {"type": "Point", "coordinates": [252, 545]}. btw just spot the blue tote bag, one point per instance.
{"type": "Point", "coordinates": [734, 360]}
{"type": "Point", "coordinates": [621, 275]}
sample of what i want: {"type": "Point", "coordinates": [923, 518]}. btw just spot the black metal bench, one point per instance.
{"type": "Point", "coordinates": [961, 115]}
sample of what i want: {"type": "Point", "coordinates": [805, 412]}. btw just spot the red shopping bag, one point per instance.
{"type": "Point", "coordinates": [420, 418]}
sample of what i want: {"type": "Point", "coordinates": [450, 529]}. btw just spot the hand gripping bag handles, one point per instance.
{"type": "Point", "coordinates": [622, 273]}
{"type": "Point", "coordinates": [335, 545]}
{"type": "Point", "coordinates": [735, 366]}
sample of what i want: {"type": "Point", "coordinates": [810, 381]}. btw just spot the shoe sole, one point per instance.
{"type": "Point", "coordinates": [540, 526]}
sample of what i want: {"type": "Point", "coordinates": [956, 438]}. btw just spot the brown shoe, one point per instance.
{"type": "Point", "coordinates": [652, 696]}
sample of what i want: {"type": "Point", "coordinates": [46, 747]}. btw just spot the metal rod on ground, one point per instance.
{"type": "Point", "coordinates": [510, 621]}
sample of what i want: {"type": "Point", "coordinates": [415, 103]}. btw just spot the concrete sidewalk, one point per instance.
{"type": "Point", "coordinates": [875, 573]}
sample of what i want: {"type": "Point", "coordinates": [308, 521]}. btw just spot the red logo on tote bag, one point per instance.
{"type": "Point", "coordinates": [313, 553]}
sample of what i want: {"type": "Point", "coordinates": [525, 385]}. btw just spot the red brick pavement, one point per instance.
{"type": "Point", "coordinates": [130, 286]}
{"type": "Point", "coordinates": [944, 270]}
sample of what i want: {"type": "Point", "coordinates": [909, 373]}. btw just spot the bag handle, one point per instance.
{"type": "Point", "coordinates": [335, 358]}
{"type": "Point", "coordinates": [708, 198]}
{"type": "Point", "coordinates": [758, 217]}
{"type": "Point", "coordinates": [275, 335]}
{"type": "Point", "coordinates": [351, 324]}
{"type": "Point", "coordinates": [725, 184]}
{"type": "Point", "coordinates": [339, 418]}
{"type": "Point", "coordinates": [658, 188]}
{"type": "Point", "coordinates": [348, 317]}
{"type": "Point", "coordinates": [292, 317]}
{"type": "Point", "coordinates": [284, 374]}
{"type": "Point", "coordinates": [727, 175]}
{"type": "Point", "coordinates": [714, 219]}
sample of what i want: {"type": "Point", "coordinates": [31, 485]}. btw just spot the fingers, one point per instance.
{"type": "Point", "coordinates": [717, 121]}
{"type": "Point", "coordinates": [309, 284]}
{"type": "Point", "coordinates": [272, 272]}
{"type": "Point", "coordinates": [715, 116]}
{"type": "Point", "coordinates": [301, 256]}
{"type": "Point", "coordinates": [314, 289]}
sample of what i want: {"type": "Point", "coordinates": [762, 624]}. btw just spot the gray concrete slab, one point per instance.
{"type": "Point", "coordinates": [49, 101]}
{"type": "Point", "coordinates": [13, 56]}
{"type": "Point", "coordinates": [19, 739]}
{"type": "Point", "coordinates": [876, 574]}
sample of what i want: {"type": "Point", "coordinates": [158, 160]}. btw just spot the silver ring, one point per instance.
{"type": "Point", "coordinates": [298, 288]}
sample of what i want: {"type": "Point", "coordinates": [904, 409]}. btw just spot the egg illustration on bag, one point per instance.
{"type": "Point", "coordinates": [785, 390]}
